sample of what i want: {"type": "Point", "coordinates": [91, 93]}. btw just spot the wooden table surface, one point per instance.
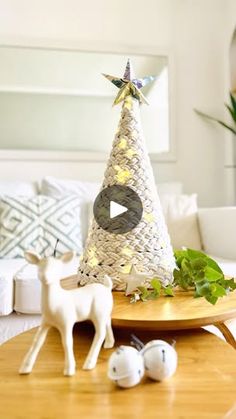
{"type": "Point", "coordinates": [204, 385]}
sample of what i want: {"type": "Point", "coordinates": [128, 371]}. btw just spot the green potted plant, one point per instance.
{"type": "Point", "coordinates": [232, 110]}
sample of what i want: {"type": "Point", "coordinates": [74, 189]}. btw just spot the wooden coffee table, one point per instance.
{"type": "Point", "coordinates": [203, 386]}
{"type": "Point", "coordinates": [167, 313]}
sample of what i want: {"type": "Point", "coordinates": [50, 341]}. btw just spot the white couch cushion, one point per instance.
{"type": "Point", "coordinates": [36, 223]}
{"type": "Point", "coordinates": [228, 266]}
{"type": "Point", "coordinates": [181, 215]}
{"type": "Point", "coordinates": [15, 324]}
{"type": "Point", "coordinates": [28, 286]}
{"type": "Point", "coordinates": [7, 270]}
{"type": "Point", "coordinates": [18, 188]}
{"type": "Point", "coordinates": [218, 231]}
{"type": "Point", "coordinates": [27, 290]}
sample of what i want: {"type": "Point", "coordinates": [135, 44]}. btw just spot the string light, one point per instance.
{"type": "Point", "coordinates": [122, 143]}
{"type": "Point", "coordinates": [126, 269]}
{"type": "Point", "coordinates": [93, 262]}
{"type": "Point", "coordinates": [123, 174]}
{"type": "Point", "coordinates": [92, 259]}
{"type": "Point", "coordinates": [149, 217]}
{"type": "Point", "coordinates": [127, 251]}
{"type": "Point", "coordinates": [130, 153]}
{"type": "Point", "coordinates": [162, 243]}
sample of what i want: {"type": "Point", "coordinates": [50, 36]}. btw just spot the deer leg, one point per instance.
{"type": "Point", "coordinates": [109, 341]}
{"type": "Point", "coordinates": [100, 333]}
{"type": "Point", "coordinates": [30, 358]}
{"type": "Point", "coordinates": [67, 341]}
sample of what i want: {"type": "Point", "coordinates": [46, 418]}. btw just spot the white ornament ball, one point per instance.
{"type": "Point", "coordinates": [126, 366]}
{"type": "Point", "coordinates": [160, 359]}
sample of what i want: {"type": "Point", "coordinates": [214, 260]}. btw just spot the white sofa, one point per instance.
{"type": "Point", "coordinates": [212, 229]}
{"type": "Point", "coordinates": [218, 234]}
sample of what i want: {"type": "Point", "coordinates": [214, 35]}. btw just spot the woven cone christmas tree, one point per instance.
{"type": "Point", "coordinates": [146, 249]}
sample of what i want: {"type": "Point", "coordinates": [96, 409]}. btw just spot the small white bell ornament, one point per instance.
{"type": "Point", "coordinates": [126, 366]}
{"type": "Point", "coordinates": [160, 359]}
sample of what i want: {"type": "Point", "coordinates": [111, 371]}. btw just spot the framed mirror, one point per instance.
{"type": "Point", "coordinates": [57, 99]}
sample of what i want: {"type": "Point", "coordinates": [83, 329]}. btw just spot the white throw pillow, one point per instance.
{"type": "Point", "coordinates": [37, 222]}
{"type": "Point", "coordinates": [169, 188]}
{"type": "Point", "coordinates": [86, 192]}
{"type": "Point", "coordinates": [18, 188]}
{"type": "Point", "coordinates": [180, 213]}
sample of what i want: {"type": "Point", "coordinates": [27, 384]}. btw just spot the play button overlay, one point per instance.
{"type": "Point", "coordinates": [117, 209]}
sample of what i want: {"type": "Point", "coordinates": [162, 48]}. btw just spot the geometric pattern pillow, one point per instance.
{"type": "Point", "coordinates": [36, 223]}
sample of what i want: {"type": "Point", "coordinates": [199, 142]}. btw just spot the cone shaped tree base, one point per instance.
{"type": "Point", "coordinates": [147, 246]}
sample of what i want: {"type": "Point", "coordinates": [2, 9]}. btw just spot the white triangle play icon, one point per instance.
{"type": "Point", "coordinates": [116, 209]}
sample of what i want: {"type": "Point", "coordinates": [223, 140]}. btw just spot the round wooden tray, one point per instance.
{"type": "Point", "coordinates": [170, 313]}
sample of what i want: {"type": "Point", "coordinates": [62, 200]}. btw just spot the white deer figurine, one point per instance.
{"type": "Point", "coordinates": [63, 308]}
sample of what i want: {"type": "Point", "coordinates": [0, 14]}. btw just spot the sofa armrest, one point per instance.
{"type": "Point", "coordinates": [218, 231]}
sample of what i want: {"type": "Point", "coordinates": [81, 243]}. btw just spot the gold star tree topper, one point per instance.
{"type": "Point", "coordinates": [128, 85]}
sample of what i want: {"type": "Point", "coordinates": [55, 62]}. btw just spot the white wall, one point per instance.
{"type": "Point", "coordinates": [196, 31]}
{"type": "Point", "coordinates": [61, 91]}
{"type": "Point", "coordinates": [233, 62]}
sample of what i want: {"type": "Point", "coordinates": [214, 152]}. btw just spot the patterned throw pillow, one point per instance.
{"type": "Point", "coordinates": [36, 223]}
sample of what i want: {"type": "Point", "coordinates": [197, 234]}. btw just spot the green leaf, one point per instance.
{"type": "Point", "coordinates": [156, 284]}
{"type": "Point", "coordinates": [233, 102]}
{"type": "Point", "coordinates": [182, 277]}
{"type": "Point", "coordinates": [199, 263]}
{"type": "Point", "coordinates": [176, 274]}
{"type": "Point", "coordinates": [233, 130]}
{"type": "Point", "coordinates": [231, 283]}
{"type": "Point", "coordinates": [199, 276]}
{"type": "Point", "coordinates": [212, 275]}
{"type": "Point", "coordinates": [185, 265]}
{"type": "Point", "coordinates": [183, 283]}
{"type": "Point", "coordinates": [179, 255]}
{"type": "Point", "coordinates": [232, 112]}
{"type": "Point", "coordinates": [211, 299]}
{"type": "Point", "coordinates": [168, 291]}
{"type": "Point", "coordinates": [212, 263]}
{"type": "Point", "coordinates": [144, 293]}
{"type": "Point", "coordinates": [203, 288]}
{"type": "Point", "coordinates": [217, 290]}
{"type": "Point", "coordinates": [195, 254]}
{"type": "Point", "coordinates": [228, 284]}
{"type": "Point", "coordinates": [152, 295]}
